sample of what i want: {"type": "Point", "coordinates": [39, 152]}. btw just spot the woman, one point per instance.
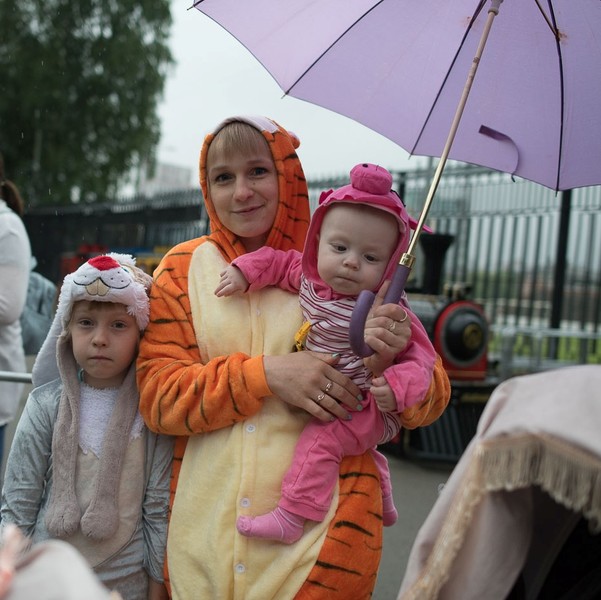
{"type": "Point", "coordinates": [15, 257]}
{"type": "Point", "coordinates": [219, 374]}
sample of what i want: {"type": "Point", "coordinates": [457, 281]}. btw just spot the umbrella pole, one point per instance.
{"type": "Point", "coordinates": [401, 274]}
{"type": "Point", "coordinates": [408, 259]}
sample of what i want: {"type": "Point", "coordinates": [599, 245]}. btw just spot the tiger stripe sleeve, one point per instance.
{"type": "Point", "coordinates": [179, 395]}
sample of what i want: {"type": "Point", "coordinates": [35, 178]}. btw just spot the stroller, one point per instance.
{"type": "Point", "coordinates": [520, 516]}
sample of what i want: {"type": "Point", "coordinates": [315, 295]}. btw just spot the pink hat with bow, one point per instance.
{"type": "Point", "coordinates": [370, 185]}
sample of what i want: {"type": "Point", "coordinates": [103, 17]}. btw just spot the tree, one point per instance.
{"type": "Point", "coordinates": [81, 82]}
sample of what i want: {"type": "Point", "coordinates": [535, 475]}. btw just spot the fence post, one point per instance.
{"type": "Point", "coordinates": [560, 267]}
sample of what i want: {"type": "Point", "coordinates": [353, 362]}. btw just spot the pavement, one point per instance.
{"type": "Point", "coordinates": [415, 488]}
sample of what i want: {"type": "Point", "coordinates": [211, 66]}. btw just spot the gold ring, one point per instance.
{"type": "Point", "coordinates": [328, 387]}
{"type": "Point", "coordinates": [405, 317]}
{"type": "Point", "coordinates": [392, 326]}
{"type": "Point", "coordinates": [320, 398]}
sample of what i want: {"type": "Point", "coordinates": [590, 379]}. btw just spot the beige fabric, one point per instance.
{"type": "Point", "coordinates": [243, 465]}
{"type": "Point", "coordinates": [131, 496]}
{"type": "Point", "coordinates": [537, 431]}
{"type": "Point", "coordinates": [100, 520]}
{"type": "Point", "coordinates": [51, 570]}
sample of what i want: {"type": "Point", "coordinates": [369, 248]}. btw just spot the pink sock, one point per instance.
{"type": "Point", "coordinates": [389, 512]}
{"type": "Point", "coordinates": [279, 525]}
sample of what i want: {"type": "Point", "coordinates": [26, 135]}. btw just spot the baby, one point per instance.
{"type": "Point", "coordinates": [355, 239]}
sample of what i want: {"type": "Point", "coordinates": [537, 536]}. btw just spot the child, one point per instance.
{"type": "Point", "coordinates": [355, 240]}
{"type": "Point", "coordinates": [83, 467]}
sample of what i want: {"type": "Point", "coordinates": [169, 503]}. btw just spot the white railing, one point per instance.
{"type": "Point", "coordinates": [541, 342]}
{"type": "Point", "coordinates": [17, 377]}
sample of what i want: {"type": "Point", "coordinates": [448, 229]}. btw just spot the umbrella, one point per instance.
{"type": "Point", "coordinates": [438, 78]}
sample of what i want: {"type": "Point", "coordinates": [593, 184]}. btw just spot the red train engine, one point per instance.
{"type": "Point", "coordinates": [460, 332]}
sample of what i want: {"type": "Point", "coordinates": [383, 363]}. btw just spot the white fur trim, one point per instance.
{"type": "Point", "coordinates": [124, 284]}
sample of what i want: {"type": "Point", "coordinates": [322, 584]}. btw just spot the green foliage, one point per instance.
{"type": "Point", "coordinates": [81, 81]}
{"type": "Point", "coordinates": [536, 351]}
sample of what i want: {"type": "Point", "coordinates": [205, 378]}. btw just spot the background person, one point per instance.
{"type": "Point", "coordinates": [38, 313]}
{"type": "Point", "coordinates": [219, 373]}
{"type": "Point", "coordinates": [15, 257]}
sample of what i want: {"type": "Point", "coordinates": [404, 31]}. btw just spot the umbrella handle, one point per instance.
{"type": "Point", "coordinates": [397, 285]}
{"type": "Point", "coordinates": [364, 304]}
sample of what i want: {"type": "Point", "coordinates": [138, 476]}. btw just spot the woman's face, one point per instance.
{"type": "Point", "coordinates": [244, 189]}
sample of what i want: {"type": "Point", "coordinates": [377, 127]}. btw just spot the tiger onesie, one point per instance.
{"type": "Point", "coordinates": [200, 371]}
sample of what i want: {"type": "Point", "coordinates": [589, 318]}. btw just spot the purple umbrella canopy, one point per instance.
{"type": "Point", "coordinates": [512, 85]}
{"type": "Point", "coordinates": [399, 67]}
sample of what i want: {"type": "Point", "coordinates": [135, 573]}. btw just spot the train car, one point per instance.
{"type": "Point", "coordinates": [71, 261]}
{"type": "Point", "coordinates": [459, 331]}
{"type": "Point", "coordinates": [147, 259]}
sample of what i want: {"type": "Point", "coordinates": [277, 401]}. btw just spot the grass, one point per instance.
{"type": "Point", "coordinates": [530, 352]}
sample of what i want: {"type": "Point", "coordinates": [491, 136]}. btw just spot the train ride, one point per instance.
{"type": "Point", "coordinates": [460, 333]}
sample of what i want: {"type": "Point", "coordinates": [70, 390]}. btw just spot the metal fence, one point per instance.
{"type": "Point", "coordinates": [525, 250]}
{"type": "Point", "coordinates": [531, 257]}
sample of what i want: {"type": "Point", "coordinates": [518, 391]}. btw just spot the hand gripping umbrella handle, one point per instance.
{"type": "Point", "coordinates": [364, 304]}
{"type": "Point", "coordinates": [399, 279]}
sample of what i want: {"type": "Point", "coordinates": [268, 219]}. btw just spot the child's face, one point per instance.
{"type": "Point", "coordinates": [105, 341]}
{"type": "Point", "coordinates": [355, 246]}
{"type": "Point", "coordinates": [244, 191]}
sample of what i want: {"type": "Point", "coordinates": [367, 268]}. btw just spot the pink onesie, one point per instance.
{"type": "Point", "coordinates": [309, 482]}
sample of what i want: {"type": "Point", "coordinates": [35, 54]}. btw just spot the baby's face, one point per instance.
{"type": "Point", "coordinates": [355, 246]}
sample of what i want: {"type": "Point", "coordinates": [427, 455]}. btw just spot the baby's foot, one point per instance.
{"type": "Point", "coordinates": [279, 525]}
{"type": "Point", "coordinates": [389, 512]}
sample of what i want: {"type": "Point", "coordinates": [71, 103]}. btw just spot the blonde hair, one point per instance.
{"type": "Point", "coordinates": [237, 137]}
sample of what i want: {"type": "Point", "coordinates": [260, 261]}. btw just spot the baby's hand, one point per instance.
{"type": "Point", "coordinates": [231, 281]}
{"type": "Point", "coordinates": [382, 393]}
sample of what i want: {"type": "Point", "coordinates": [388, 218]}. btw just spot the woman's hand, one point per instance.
{"type": "Point", "coordinates": [387, 332]}
{"type": "Point", "coordinates": [309, 381]}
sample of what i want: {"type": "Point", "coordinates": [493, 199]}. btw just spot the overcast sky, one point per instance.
{"type": "Point", "coordinates": [216, 77]}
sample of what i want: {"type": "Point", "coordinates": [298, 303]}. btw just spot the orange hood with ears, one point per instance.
{"type": "Point", "coordinates": [292, 217]}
